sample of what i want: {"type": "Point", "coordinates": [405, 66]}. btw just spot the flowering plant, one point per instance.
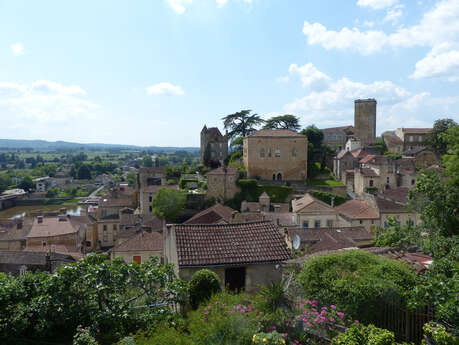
{"type": "Point", "coordinates": [84, 336]}
{"type": "Point", "coordinates": [272, 338]}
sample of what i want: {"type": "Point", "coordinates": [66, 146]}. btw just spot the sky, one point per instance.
{"type": "Point", "coordinates": [152, 73]}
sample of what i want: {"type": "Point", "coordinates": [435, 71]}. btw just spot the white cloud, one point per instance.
{"type": "Point", "coordinates": [179, 6]}
{"type": "Point", "coordinates": [310, 76]}
{"type": "Point", "coordinates": [165, 88]}
{"type": "Point", "coordinates": [393, 14]}
{"type": "Point", "coordinates": [441, 61]}
{"type": "Point", "coordinates": [42, 101]}
{"type": "Point", "coordinates": [376, 4]}
{"type": "Point", "coordinates": [438, 27]}
{"type": "Point", "coordinates": [17, 49]}
{"type": "Point", "coordinates": [221, 3]}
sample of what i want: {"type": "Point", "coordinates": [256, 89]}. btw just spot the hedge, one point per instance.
{"type": "Point", "coordinates": [327, 197]}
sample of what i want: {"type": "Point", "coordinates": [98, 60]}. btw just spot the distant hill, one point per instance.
{"type": "Point", "coordinates": [64, 145]}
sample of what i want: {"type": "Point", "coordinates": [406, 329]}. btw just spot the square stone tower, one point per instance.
{"type": "Point", "coordinates": [365, 120]}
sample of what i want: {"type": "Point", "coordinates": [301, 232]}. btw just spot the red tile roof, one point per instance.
{"type": "Point", "coordinates": [417, 130]}
{"type": "Point", "coordinates": [387, 206]}
{"type": "Point", "coordinates": [399, 194]}
{"type": "Point", "coordinates": [230, 244]}
{"type": "Point", "coordinates": [279, 133]}
{"type": "Point", "coordinates": [212, 215]}
{"type": "Point", "coordinates": [143, 240]}
{"type": "Point", "coordinates": [356, 209]}
{"type": "Point", "coordinates": [51, 227]}
{"type": "Point", "coordinates": [368, 172]}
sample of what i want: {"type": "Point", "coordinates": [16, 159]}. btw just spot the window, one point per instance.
{"type": "Point", "coordinates": [411, 138]}
{"type": "Point", "coordinates": [330, 223]}
{"type": "Point", "coordinates": [317, 223]}
{"type": "Point", "coordinates": [105, 227]}
{"type": "Point", "coordinates": [220, 145]}
{"type": "Point", "coordinates": [305, 224]}
{"type": "Point", "coordinates": [294, 152]}
{"type": "Point", "coordinates": [413, 181]}
{"type": "Point", "coordinates": [420, 138]}
{"type": "Point", "coordinates": [212, 154]}
{"type": "Point", "coordinates": [212, 145]}
{"type": "Point", "coordinates": [388, 180]}
{"type": "Point", "coordinates": [137, 258]}
{"type": "Point", "coordinates": [150, 208]}
{"type": "Point", "coordinates": [220, 154]}
{"type": "Point", "coordinates": [361, 221]}
{"type": "Point", "coordinates": [115, 227]}
{"type": "Point", "coordinates": [371, 183]}
{"type": "Point", "coordinates": [277, 152]}
{"type": "Point", "coordinates": [269, 152]}
{"type": "Point", "coordinates": [150, 198]}
{"type": "Point", "coordinates": [262, 153]}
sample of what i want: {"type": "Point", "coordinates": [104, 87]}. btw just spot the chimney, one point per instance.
{"type": "Point", "coordinates": [40, 219]}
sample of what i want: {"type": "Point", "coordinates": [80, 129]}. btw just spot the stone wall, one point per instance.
{"type": "Point", "coordinates": [365, 120]}
{"type": "Point", "coordinates": [272, 157]}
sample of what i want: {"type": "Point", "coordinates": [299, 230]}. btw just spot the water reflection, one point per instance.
{"type": "Point", "coordinates": [22, 211]}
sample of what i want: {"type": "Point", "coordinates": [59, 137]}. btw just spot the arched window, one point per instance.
{"type": "Point", "coordinates": [279, 177]}
{"type": "Point", "coordinates": [371, 183]}
{"type": "Point", "coordinates": [262, 153]}
{"type": "Point", "coordinates": [274, 177]}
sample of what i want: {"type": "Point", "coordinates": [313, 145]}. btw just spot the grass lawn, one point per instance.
{"type": "Point", "coordinates": [328, 183]}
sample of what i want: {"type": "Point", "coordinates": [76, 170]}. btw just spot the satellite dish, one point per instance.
{"type": "Point", "coordinates": [296, 242]}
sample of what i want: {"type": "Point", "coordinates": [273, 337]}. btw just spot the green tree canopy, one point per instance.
{"type": "Point", "coordinates": [436, 139]}
{"type": "Point", "coordinates": [242, 123]}
{"type": "Point", "coordinates": [147, 161]}
{"type": "Point", "coordinates": [84, 173]}
{"type": "Point", "coordinates": [314, 134]}
{"type": "Point", "coordinates": [27, 184]}
{"type": "Point", "coordinates": [286, 121]}
{"type": "Point", "coordinates": [168, 203]}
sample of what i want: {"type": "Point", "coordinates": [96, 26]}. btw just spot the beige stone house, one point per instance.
{"type": "Point", "coordinates": [244, 255]}
{"type": "Point", "coordinates": [13, 233]}
{"type": "Point", "coordinates": [423, 157]}
{"type": "Point", "coordinates": [279, 155]}
{"type": "Point", "coordinates": [314, 213]}
{"type": "Point", "coordinates": [221, 184]}
{"type": "Point", "coordinates": [358, 213]}
{"type": "Point", "coordinates": [412, 137]}
{"type": "Point", "coordinates": [139, 247]}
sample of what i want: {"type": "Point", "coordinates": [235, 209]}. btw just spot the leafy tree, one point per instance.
{"type": "Point", "coordinates": [242, 123]}
{"type": "Point", "coordinates": [168, 203]}
{"type": "Point", "coordinates": [203, 284]}
{"type": "Point", "coordinates": [356, 282]}
{"type": "Point", "coordinates": [283, 122]}
{"type": "Point", "coordinates": [317, 150]}
{"type": "Point", "coordinates": [314, 134]}
{"type": "Point", "coordinates": [381, 146]}
{"type": "Point", "coordinates": [274, 297]}
{"type": "Point", "coordinates": [5, 181]}
{"type": "Point", "coordinates": [83, 172]}
{"type": "Point", "coordinates": [436, 139]}
{"type": "Point", "coordinates": [147, 161]}
{"type": "Point", "coordinates": [27, 184]}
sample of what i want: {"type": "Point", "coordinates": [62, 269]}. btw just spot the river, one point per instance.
{"type": "Point", "coordinates": [21, 211]}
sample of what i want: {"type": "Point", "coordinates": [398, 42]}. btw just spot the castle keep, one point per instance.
{"type": "Point", "coordinates": [216, 143]}
{"type": "Point", "coordinates": [365, 120]}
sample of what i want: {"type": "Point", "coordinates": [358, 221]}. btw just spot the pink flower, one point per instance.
{"type": "Point", "coordinates": [333, 306]}
{"type": "Point", "coordinates": [340, 314]}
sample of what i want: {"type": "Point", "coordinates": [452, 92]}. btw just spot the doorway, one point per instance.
{"type": "Point", "coordinates": [235, 278]}
{"type": "Point", "coordinates": [279, 177]}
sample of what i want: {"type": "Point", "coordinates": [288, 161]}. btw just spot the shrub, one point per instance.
{"type": "Point", "coordinates": [357, 282]}
{"type": "Point", "coordinates": [274, 297]}
{"type": "Point", "coordinates": [327, 197]}
{"type": "Point", "coordinates": [83, 336]}
{"type": "Point", "coordinates": [272, 338]}
{"type": "Point", "coordinates": [365, 335]}
{"type": "Point", "coordinates": [437, 334]}
{"type": "Point", "coordinates": [203, 284]}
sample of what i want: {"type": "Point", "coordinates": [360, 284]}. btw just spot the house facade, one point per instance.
{"type": "Point", "coordinates": [215, 143]}
{"type": "Point", "coordinates": [221, 183]}
{"type": "Point", "coordinates": [279, 155]}
{"type": "Point", "coordinates": [313, 213]}
{"type": "Point", "coordinates": [149, 180]}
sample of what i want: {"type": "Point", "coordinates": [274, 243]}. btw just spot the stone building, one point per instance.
{"type": "Point", "coordinates": [279, 155]}
{"type": "Point", "coordinates": [221, 183]}
{"type": "Point", "coordinates": [423, 157]}
{"type": "Point", "coordinates": [358, 213]}
{"type": "Point", "coordinates": [365, 120]}
{"type": "Point", "coordinates": [213, 140]}
{"type": "Point", "coordinates": [314, 213]}
{"type": "Point", "coordinates": [245, 256]}
{"type": "Point", "coordinates": [149, 180]}
{"type": "Point", "coordinates": [336, 137]}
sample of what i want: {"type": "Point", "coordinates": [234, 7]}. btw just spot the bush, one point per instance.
{"type": "Point", "coordinates": [365, 335]}
{"type": "Point", "coordinates": [327, 197]}
{"type": "Point", "coordinates": [357, 282]}
{"type": "Point", "coordinates": [272, 338]}
{"type": "Point", "coordinates": [437, 334]}
{"type": "Point", "coordinates": [83, 336]}
{"type": "Point", "coordinates": [203, 284]}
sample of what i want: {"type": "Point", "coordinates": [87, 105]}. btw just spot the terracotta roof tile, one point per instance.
{"type": "Point", "coordinates": [212, 215]}
{"type": "Point", "coordinates": [51, 227]}
{"type": "Point", "coordinates": [230, 244]}
{"type": "Point", "coordinates": [143, 240]}
{"type": "Point", "coordinates": [399, 194]}
{"type": "Point", "coordinates": [388, 206]}
{"type": "Point", "coordinates": [356, 209]}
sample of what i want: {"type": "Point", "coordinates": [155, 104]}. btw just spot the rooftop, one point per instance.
{"type": "Point", "coordinates": [356, 209]}
{"type": "Point", "coordinates": [230, 244]}
{"type": "Point", "coordinates": [143, 240]}
{"type": "Point", "coordinates": [52, 226]}
{"type": "Point", "coordinates": [212, 215]}
{"type": "Point", "coordinates": [278, 133]}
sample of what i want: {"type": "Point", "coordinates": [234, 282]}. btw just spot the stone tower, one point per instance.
{"type": "Point", "coordinates": [365, 120]}
{"type": "Point", "coordinates": [217, 143]}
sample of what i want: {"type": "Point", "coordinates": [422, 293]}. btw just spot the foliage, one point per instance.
{"type": "Point", "coordinates": [241, 123]}
{"type": "Point", "coordinates": [436, 138]}
{"type": "Point", "coordinates": [380, 144]}
{"type": "Point", "coordinates": [27, 184]}
{"type": "Point", "coordinates": [5, 181]}
{"type": "Point", "coordinates": [274, 297]}
{"type": "Point", "coordinates": [396, 235]}
{"type": "Point", "coordinates": [166, 333]}
{"type": "Point", "coordinates": [131, 179]}
{"type": "Point", "coordinates": [83, 172]}
{"type": "Point", "coordinates": [327, 197]}
{"type": "Point", "coordinates": [90, 292]}
{"type": "Point", "coordinates": [203, 284]}
{"type": "Point", "coordinates": [147, 161]}
{"type": "Point", "coordinates": [83, 336]}
{"type": "Point", "coordinates": [52, 192]}
{"type": "Point", "coordinates": [438, 335]}
{"type": "Point", "coordinates": [358, 334]}
{"type": "Point", "coordinates": [315, 135]}
{"type": "Point", "coordinates": [283, 122]}
{"type": "Point", "coordinates": [356, 281]}
{"type": "Point", "coordinates": [168, 203]}
{"type": "Point", "coordinates": [331, 182]}
{"type": "Point", "coordinates": [272, 338]}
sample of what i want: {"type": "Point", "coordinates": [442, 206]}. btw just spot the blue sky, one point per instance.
{"type": "Point", "coordinates": [154, 72]}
